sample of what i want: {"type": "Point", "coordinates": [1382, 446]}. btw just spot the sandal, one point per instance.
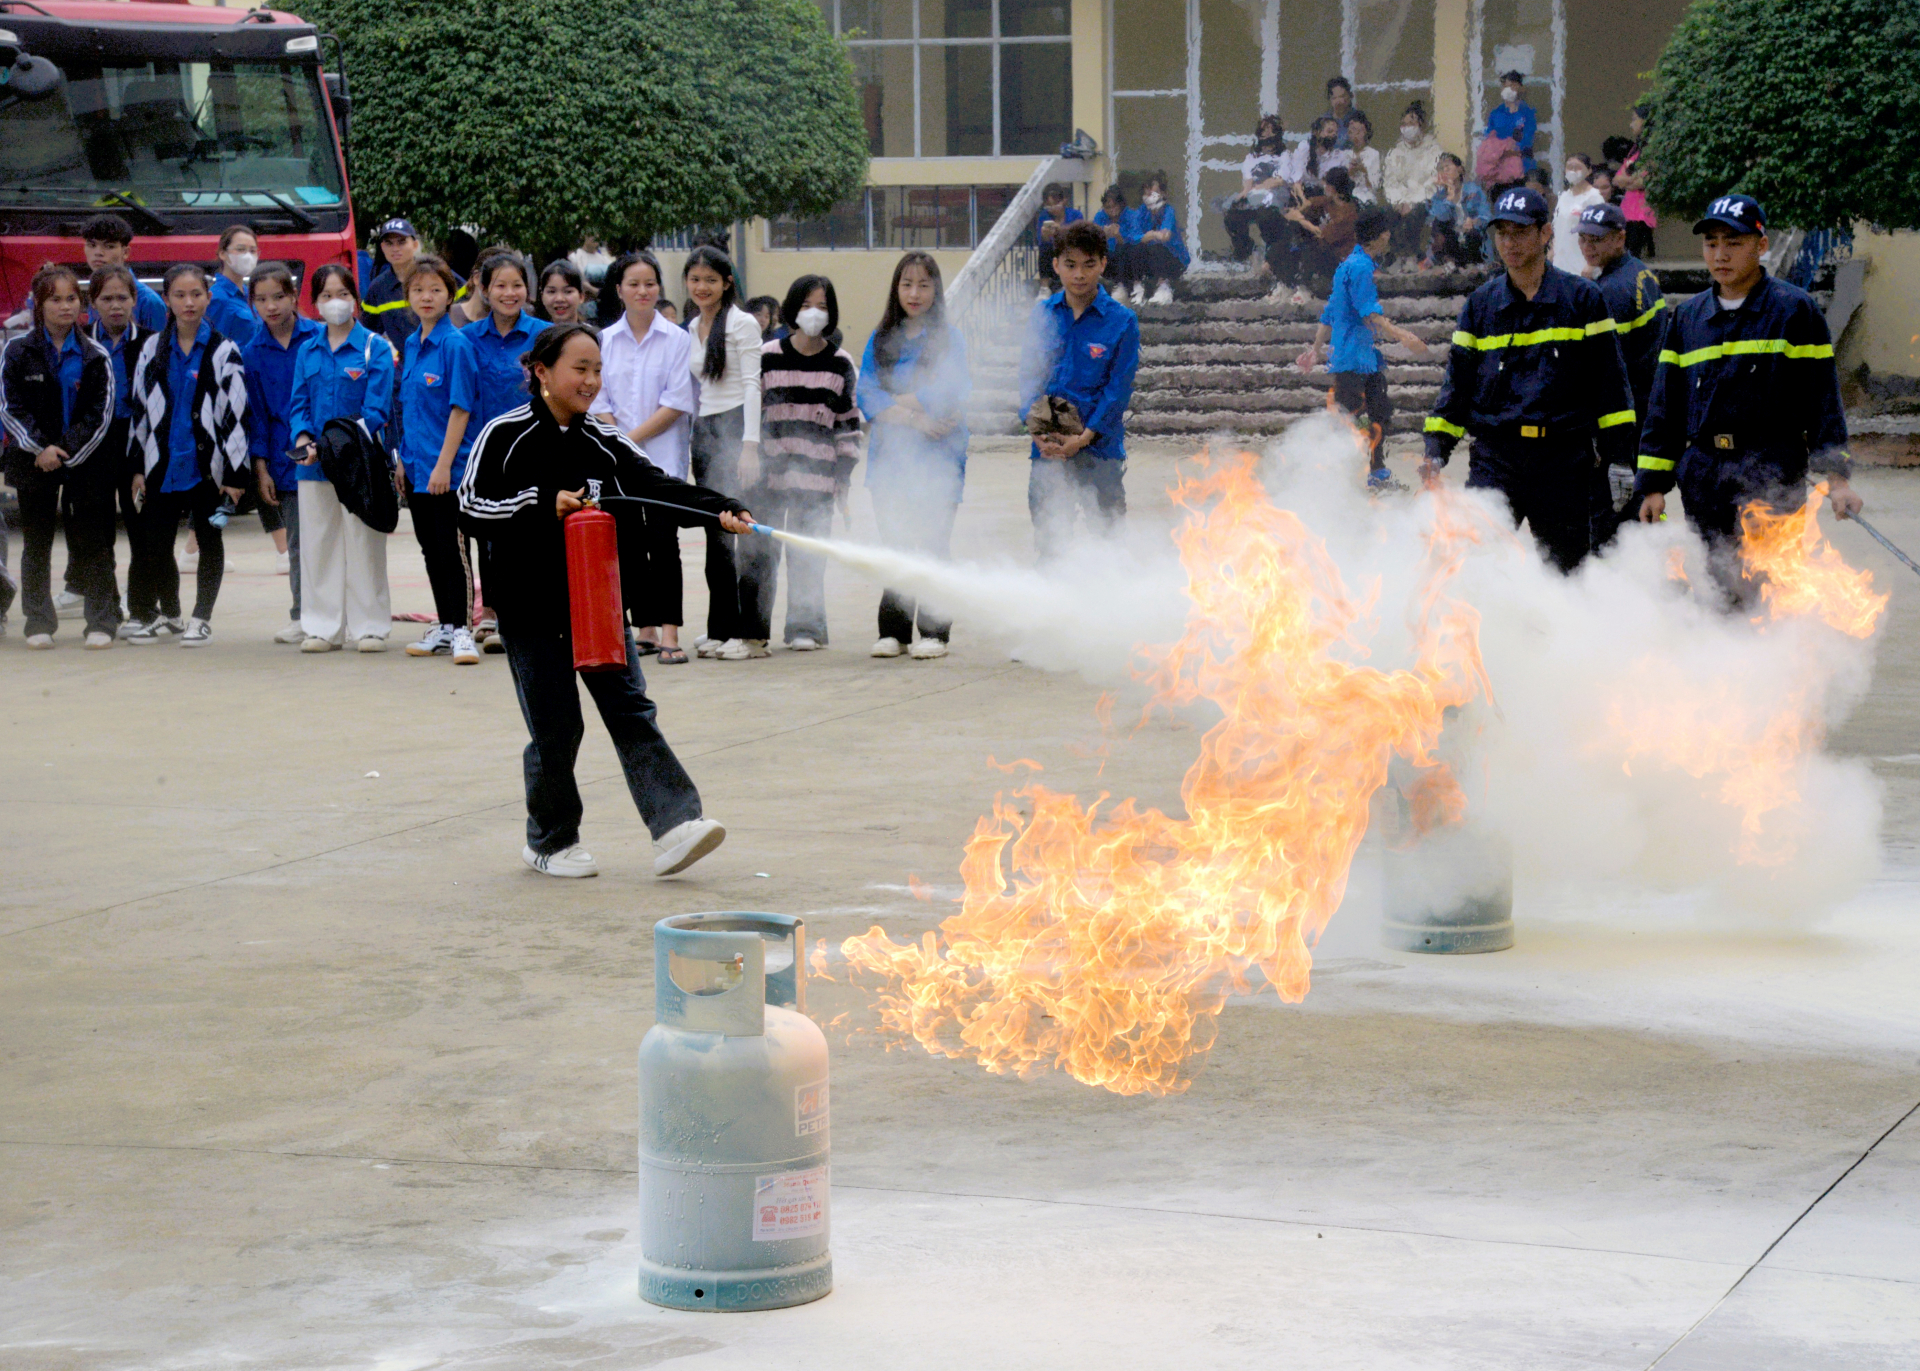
{"type": "Point", "coordinates": [673, 656]}
{"type": "Point", "coordinates": [645, 648]}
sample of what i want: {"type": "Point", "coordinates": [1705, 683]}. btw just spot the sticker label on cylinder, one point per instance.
{"type": "Point", "coordinates": [810, 1109]}
{"type": "Point", "coordinates": [792, 1204]}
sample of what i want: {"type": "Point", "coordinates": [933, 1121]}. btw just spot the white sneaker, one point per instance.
{"type": "Point", "coordinates": [740, 649]}
{"type": "Point", "coordinates": [97, 642]}
{"type": "Point", "coordinates": [573, 862]}
{"type": "Point", "coordinates": [465, 652]}
{"type": "Point", "coordinates": [488, 636]}
{"type": "Point", "coordinates": [886, 647]}
{"type": "Point", "coordinates": [925, 649]}
{"type": "Point", "coordinates": [318, 645]}
{"type": "Point", "coordinates": [371, 644]}
{"type": "Point", "coordinates": [1281, 294]}
{"type": "Point", "coordinates": [141, 634]}
{"type": "Point", "coordinates": [803, 644]}
{"type": "Point", "coordinates": [1301, 297]}
{"type": "Point", "coordinates": [199, 633]}
{"type": "Point", "coordinates": [439, 638]}
{"type": "Point", "coordinates": [169, 624]}
{"type": "Point", "coordinates": [67, 605]}
{"type": "Point", "coordinates": [40, 642]}
{"type": "Point", "coordinates": [188, 561]}
{"type": "Point", "coordinates": [703, 646]}
{"type": "Point", "coordinates": [133, 628]}
{"type": "Point", "coordinates": [680, 847]}
{"type": "Point", "coordinates": [1164, 295]}
{"type": "Point", "coordinates": [283, 564]}
{"type": "Point", "coordinates": [1139, 295]}
{"type": "Point", "coordinates": [292, 633]}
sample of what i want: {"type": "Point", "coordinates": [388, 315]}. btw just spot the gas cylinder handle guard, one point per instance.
{"type": "Point", "coordinates": [714, 972]}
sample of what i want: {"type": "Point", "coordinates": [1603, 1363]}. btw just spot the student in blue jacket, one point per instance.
{"type": "Point", "coordinates": [270, 359]}
{"type": "Point", "coordinates": [229, 313]}
{"type": "Point", "coordinates": [433, 410]}
{"type": "Point", "coordinates": [106, 240]}
{"type": "Point", "coordinates": [344, 372]}
{"type": "Point", "coordinates": [1056, 213]}
{"type": "Point", "coordinates": [1152, 232]}
{"type": "Point", "coordinates": [1082, 350]}
{"type": "Point", "coordinates": [113, 303]}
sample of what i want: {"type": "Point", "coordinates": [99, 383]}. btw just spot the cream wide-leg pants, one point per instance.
{"type": "Point", "coordinates": [343, 571]}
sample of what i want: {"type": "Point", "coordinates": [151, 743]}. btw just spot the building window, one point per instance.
{"type": "Point", "coordinates": [960, 78]}
{"type": "Point", "coordinates": [895, 218]}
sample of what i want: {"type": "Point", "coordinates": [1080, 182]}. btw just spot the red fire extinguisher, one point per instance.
{"type": "Point", "coordinates": [593, 586]}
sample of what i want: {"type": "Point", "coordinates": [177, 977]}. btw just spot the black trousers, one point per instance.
{"type": "Point", "coordinates": [716, 446]}
{"type": "Point", "coordinates": [1714, 494]}
{"type": "Point", "coordinates": [659, 599]}
{"type": "Point", "coordinates": [1556, 490]}
{"type": "Point", "coordinates": [1084, 486]}
{"type": "Point", "coordinates": [1410, 231]}
{"type": "Point", "coordinates": [1640, 239]}
{"type": "Point", "coordinates": [1274, 233]}
{"type": "Point", "coordinates": [159, 523]}
{"type": "Point", "coordinates": [1449, 245]}
{"type": "Point", "coordinates": [541, 660]}
{"type": "Point", "coordinates": [436, 528]}
{"type": "Point", "coordinates": [82, 496]}
{"type": "Point", "coordinates": [916, 517]}
{"type": "Point", "coordinates": [810, 514]}
{"type": "Point", "coordinates": [1365, 392]}
{"type": "Point", "coordinates": [1312, 265]}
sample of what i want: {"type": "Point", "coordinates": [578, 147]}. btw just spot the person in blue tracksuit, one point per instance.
{"type": "Point", "coordinates": [433, 409]}
{"type": "Point", "coordinates": [1152, 230]}
{"type": "Point", "coordinates": [1080, 354]}
{"type": "Point", "coordinates": [112, 293]}
{"type": "Point", "coordinates": [499, 337]}
{"type": "Point", "coordinates": [270, 359]}
{"type": "Point", "coordinates": [1536, 376]}
{"type": "Point", "coordinates": [106, 239]}
{"type": "Point", "coordinates": [1746, 400]}
{"type": "Point", "coordinates": [344, 372]}
{"type": "Point", "coordinates": [229, 313]}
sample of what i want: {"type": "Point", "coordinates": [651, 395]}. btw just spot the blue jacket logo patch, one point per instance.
{"type": "Point", "coordinates": [1096, 350]}
{"type": "Point", "coordinates": [355, 373]}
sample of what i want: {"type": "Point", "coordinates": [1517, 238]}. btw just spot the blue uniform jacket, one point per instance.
{"type": "Point", "coordinates": [1639, 310]}
{"type": "Point", "coordinates": [230, 314]}
{"type": "Point", "coordinates": [894, 451]}
{"type": "Point", "coordinates": [354, 381]}
{"type": "Point", "coordinates": [1745, 397]}
{"type": "Point", "coordinates": [1141, 220]}
{"type": "Point", "coordinates": [1546, 370]}
{"type": "Point", "coordinates": [437, 375]}
{"type": "Point", "coordinates": [123, 352]}
{"type": "Point", "coordinates": [1520, 124]}
{"type": "Point", "coordinates": [1071, 216]}
{"type": "Point", "coordinates": [1090, 361]}
{"type": "Point", "coordinates": [500, 381]}
{"type": "Point", "coordinates": [270, 398]}
{"type": "Point", "coordinates": [1351, 300]}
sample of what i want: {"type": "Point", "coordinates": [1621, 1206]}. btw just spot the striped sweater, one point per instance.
{"type": "Point", "coordinates": [809, 428]}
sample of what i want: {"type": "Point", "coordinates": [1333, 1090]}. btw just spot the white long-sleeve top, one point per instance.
{"type": "Point", "coordinates": [1410, 169]}
{"type": "Point", "coordinates": [739, 385]}
{"type": "Point", "coordinates": [640, 375]}
{"type": "Point", "coordinates": [1566, 228]}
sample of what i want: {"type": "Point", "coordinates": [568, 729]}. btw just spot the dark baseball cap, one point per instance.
{"type": "Point", "coordinates": [1521, 206]}
{"type": "Point", "coordinates": [403, 227]}
{"type": "Point", "coordinates": [1597, 221]}
{"type": "Point", "coordinates": [1741, 213]}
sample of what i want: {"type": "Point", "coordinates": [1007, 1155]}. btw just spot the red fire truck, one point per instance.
{"type": "Point", "coordinates": [180, 118]}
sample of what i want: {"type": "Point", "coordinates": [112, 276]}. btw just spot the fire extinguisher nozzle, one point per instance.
{"type": "Point", "coordinates": [762, 528]}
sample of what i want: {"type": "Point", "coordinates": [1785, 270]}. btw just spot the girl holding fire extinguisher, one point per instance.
{"type": "Point", "coordinates": [529, 469]}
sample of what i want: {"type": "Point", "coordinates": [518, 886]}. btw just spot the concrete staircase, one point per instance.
{"type": "Point", "coordinates": [1219, 359]}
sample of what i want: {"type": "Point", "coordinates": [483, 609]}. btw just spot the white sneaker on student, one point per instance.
{"type": "Point", "coordinates": [573, 862]}
{"type": "Point", "coordinates": [199, 633]}
{"type": "Point", "coordinates": [140, 634]}
{"type": "Point", "coordinates": [318, 645]}
{"type": "Point", "coordinates": [703, 646]}
{"type": "Point", "coordinates": [283, 564]}
{"type": "Point", "coordinates": [1164, 295]}
{"type": "Point", "coordinates": [803, 644]}
{"type": "Point", "coordinates": [465, 652]}
{"type": "Point", "coordinates": [683, 845]}
{"type": "Point", "coordinates": [292, 633]}
{"type": "Point", "coordinates": [188, 561]}
{"type": "Point", "coordinates": [437, 639]}
{"type": "Point", "coordinates": [1301, 297]}
{"type": "Point", "coordinates": [131, 627]}
{"type": "Point", "coordinates": [370, 643]}
{"type": "Point", "coordinates": [39, 642]}
{"type": "Point", "coordinates": [925, 649]}
{"type": "Point", "coordinates": [97, 642]}
{"type": "Point", "coordinates": [170, 623]}
{"type": "Point", "coordinates": [740, 649]}
{"type": "Point", "coordinates": [67, 605]}
{"type": "Point", "coordinates": [886, 647]}
{"type": "Point", "coordinates": [1139, 295]}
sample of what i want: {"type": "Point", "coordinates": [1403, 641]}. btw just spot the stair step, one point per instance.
{"type": "Point", "coordinates": [1270, 376]}
{"type": "Point", "coordinates": [1260, 309]}
{"type": "Point", "coordinates": [1207, 286]}
{"type": "Point", "coordinates": [1298, 399]}
{"type": "Point", "coordinates": [1204, 423]}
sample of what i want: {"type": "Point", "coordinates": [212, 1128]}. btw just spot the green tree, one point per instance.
{"type": "Point", "coordinates": [627, 118]}
{"type": "Point", "coordinates": [1810, 106]}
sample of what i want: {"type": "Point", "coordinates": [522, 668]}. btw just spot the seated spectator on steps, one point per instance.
{"type": "Point", "coordinates": [1121, 262]}
{"type": "Point", "coordinates": [1458, 212]}
{"type": "Point", "coordinates": [1056, 212]}
{"type": "Point", "coordinates": [1410, 165]}
{"type": "Point", "coordinates": [1363, 160]}
{"type": "Point", "coordinates": [1326, 223]}
{"type": "Point", "coordinates": [1263, 197]}
{"type": "Point", "coordinates": [1515, 118]}
{"type": "Point", "coordinates": [1153, 232]}
{"type": "Point", "coordinates": [1340, 108]}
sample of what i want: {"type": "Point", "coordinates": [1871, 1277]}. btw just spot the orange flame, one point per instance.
{"type": "Point", "coordinates": [1800, 573]}
{"type": "Point", "coordinates": [1111, 946]}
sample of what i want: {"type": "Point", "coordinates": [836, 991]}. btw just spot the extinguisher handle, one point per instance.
{"type": "Point", "coordinates": [761, 528]}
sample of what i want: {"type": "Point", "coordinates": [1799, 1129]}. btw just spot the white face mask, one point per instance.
{"type": "Point", "coordinates": [812, 321]}
{"type": "Point", "coordinates": [1576, 176]}
{"type": "Point", "coordinates": [1153, 200]}
{"type": "Point", "coordinates": [335, 310]}
{"type": "Point", "coordinates": [1410, 133]}
{"type": "Point", "coordinates": [1510, 95]}
{"type": "Point", "coordinates": [244, 262]}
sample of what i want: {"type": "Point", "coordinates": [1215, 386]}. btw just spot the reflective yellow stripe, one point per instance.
{"type": "Point", "coordinates": [1435, 424]}
{"type": "Point", "coordinates": [1601, 326]}
{"type": "Point", "coordinates": [1748, 347]}
{"type": "Point", "coordinates": [383, 309]}
{"type": "Point", "coordinates": [1654, 463]}
{"type": "Point", "coordinates": [1646, 318]}
{"type": "Point", "coordinates": [1617, 418]}
{"type": "Point", "coordinates": [1524, 340]}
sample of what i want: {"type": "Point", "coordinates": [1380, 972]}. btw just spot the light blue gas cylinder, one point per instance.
{"type": "Point", "coordinates": [733, 1119]}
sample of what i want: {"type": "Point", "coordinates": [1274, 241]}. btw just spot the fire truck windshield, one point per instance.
{"type": "Point", "coordinates": [173, 135]}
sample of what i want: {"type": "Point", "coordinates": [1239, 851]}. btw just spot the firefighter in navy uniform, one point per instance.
{"type": "Point", "coordinates": [1746, 399]}
{"type": "Point", "coordinates": [1536, 377]}
{"type": "Point", "coordinates": [1639, 310]}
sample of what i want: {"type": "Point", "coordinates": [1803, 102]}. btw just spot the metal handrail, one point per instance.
{"type": "Point", "coordinates": [969, 281]}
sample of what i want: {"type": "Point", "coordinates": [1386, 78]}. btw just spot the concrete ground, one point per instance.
{"type": "Point", "coordinates": [299, 1067]}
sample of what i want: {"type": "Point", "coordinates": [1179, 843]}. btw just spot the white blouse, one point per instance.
{"type": "Point", "coordinates": [638, 376]}
{"type": "Point", "coordinates": [739, 384]}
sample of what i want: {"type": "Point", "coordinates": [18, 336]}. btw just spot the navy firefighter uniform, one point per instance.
{"type": "Point", "coordinates": [1634, 299]}
{"type": "Point", "coordinates": [1746, 400]}
{"type": "Point", "coordinates": [1541, 387]}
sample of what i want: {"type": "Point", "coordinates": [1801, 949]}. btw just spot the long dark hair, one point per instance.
{"type": "Point", "coordinates": [887, 339]}
{"type": "Point", "coordinates": [1313, 141]}
{"type": "Point", "coordinates": [714, 364]}
{"type": "Point", "coordinates": [612, 307]}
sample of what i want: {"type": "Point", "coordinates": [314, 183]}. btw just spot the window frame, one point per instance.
{"type": "Point", "coordinates": [873, 200]}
